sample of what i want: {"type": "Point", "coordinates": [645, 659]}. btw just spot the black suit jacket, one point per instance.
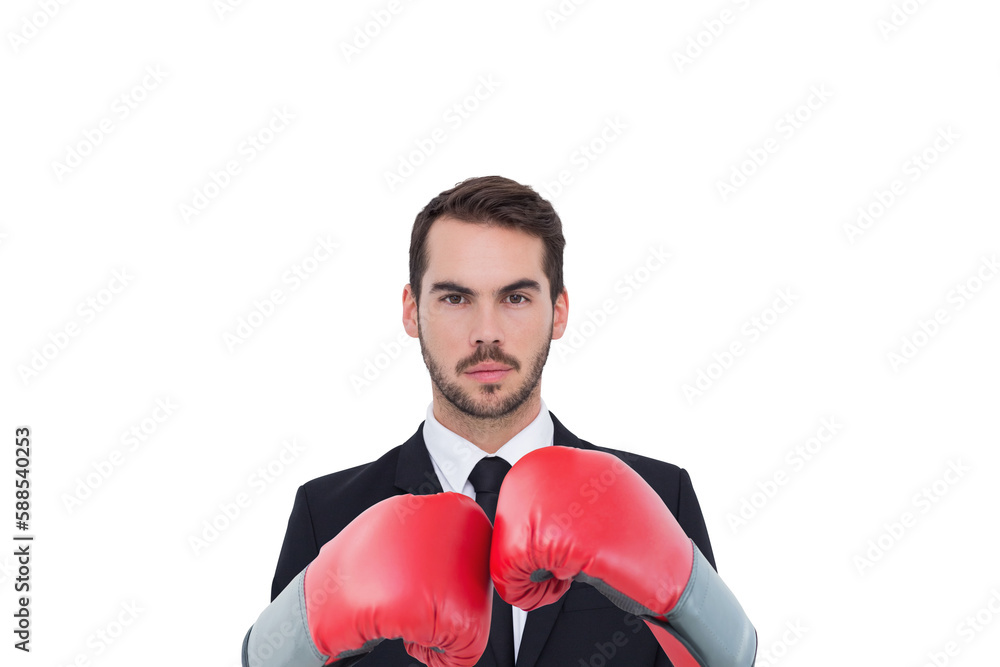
{"type": "Point", "coordinates": [582, 629]}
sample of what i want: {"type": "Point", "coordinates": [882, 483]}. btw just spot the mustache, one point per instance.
{"type": "Point", "coordinates": [484, 354]}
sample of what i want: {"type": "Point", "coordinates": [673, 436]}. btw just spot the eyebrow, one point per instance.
{"type": "Point", "coordinates": [524, 284]}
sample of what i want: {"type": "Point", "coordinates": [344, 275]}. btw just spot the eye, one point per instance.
{"type": "Point", "coordinates": [520, 299]}
{"type": "Point", "coordinates": [448, 299]}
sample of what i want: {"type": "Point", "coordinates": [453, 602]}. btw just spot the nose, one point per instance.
{"type": "Point", "coordinates": [486, 328]}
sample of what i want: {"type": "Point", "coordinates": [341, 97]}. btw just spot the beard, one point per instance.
{"type": "Point", "coordinates": [494, 406]}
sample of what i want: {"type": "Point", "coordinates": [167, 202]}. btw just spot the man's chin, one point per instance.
{"type": "Point", "coordinates": [493, 407]}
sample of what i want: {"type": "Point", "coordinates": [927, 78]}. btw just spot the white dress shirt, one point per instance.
{"type": "Point", "coordinates": [454, 457]}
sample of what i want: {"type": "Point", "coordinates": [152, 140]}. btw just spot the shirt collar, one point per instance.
{"type": "Point", "coordinates": [456, 457]}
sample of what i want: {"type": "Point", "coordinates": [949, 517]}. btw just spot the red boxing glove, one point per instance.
{"type": "Point", "coordinates": [410, 567]}
{"type": "Point", "coordinates": [569, 514]}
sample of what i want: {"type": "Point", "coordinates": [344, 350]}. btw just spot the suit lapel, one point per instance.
{"type": "Point", "coordinates": [414, 470]}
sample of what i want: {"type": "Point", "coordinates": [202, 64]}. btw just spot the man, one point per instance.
{"type": "Point", "coordinates": [485, 298]}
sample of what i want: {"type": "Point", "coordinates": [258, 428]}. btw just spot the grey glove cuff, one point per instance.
{"type": "Point", "coordinates": [280, 637]}
{"type": "Point", "coordinates": [710, 622]}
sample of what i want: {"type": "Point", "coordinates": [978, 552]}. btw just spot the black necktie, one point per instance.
{"type": "Point", "coordinates": [486, 477]}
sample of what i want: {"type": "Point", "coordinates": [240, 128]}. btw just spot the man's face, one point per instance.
{"type": "Point", "coordinates": [486, 319]}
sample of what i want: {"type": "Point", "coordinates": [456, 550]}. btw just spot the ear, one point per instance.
{"type": "Point", "coordinates": [410, 313]}
{"type": "Point", "coordinates": [560, 314]}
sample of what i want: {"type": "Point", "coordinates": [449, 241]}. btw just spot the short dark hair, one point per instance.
{"type": "Point", "coordinates": [492, 200]}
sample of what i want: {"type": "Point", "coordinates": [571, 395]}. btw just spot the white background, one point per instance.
{"type": "Point", "coordinates": [682, 128]}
